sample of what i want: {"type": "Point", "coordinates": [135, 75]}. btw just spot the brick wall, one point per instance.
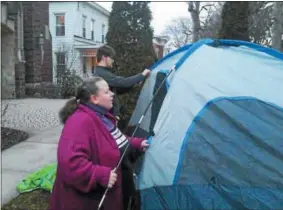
{"type": "Point", "coordinates": [36, 16]}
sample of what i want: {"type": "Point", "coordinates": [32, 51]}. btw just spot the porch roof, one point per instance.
{"type": "Point", "coordinates": [88, 52]}
{"type": "Point", "coordinates": [83, 43]}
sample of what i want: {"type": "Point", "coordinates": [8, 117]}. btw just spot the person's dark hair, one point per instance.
{"type": "Point", "coordinates": [105, 50]}
{"type": "Point", "coordinates": [84, 91]}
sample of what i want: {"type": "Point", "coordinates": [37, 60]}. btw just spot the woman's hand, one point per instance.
{"type": "Point", "coordinates": [144, 145]}
{"type": "Point", "coordinates": [112, 179]}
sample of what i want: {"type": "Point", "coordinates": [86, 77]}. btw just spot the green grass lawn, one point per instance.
{"type": "Point", "coordinates": [35, 200]}
{"type": "Point", "coordinates": [39, 200]}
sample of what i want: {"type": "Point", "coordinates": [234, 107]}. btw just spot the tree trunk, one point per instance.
{"type": "Point", "coordinates": [194, 11]}
{"type": "Point", "coordinates": [277, 29]}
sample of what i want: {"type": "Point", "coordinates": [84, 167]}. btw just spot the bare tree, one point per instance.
{"type": "Point", "coordinates": [205, 21]}
{"type": "Point", "coordinates": [68, 59]}
{"type": "Point", "coordinates": [212, 23]}
{"type": "Point", "coordinates": [179, 30]}
{"type": "Point", "coordinates": [205, 15]}
{"type": "Point", "coordinates": [194, 9]}
{"type": "Point", "coordinates": [266, 23]}
{"type": "Point", "coordinates": [68, 71]}
{"type": "Point", "coordinates": [277, 29]}
{"type": "Point", "coordinates": [260, 22]}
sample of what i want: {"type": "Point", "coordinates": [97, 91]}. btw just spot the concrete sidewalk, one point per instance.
{"type": "Point", "coordinates": [25, 158]}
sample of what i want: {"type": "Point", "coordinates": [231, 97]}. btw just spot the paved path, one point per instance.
{"type": "Point", "coordinates": [39, 117]}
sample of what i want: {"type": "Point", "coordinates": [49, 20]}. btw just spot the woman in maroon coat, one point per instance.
{"type": "Point", "coordinates": [89, 149]}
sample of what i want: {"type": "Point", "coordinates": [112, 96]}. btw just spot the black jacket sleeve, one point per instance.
{"type": "Point", "coordinates": [120, 82]}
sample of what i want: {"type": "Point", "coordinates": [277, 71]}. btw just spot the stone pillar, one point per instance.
{"type": "Point", "coordinates": [32, 50]}
{"type": "Point", "coordinates": [36, 21]}
{"type": "Point", "coordinates": [19, 54]}
{"type": "Point", "coordinates": [20, 80]}
{"type": "Point", "coordinates": [7, 65]}
{"type": "Point", "coordinates": [47, 71]}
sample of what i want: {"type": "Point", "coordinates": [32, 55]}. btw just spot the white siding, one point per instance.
{"type": "Point", "coordinates": [74, 12]}
{"type": "Point", "coordinates": [61, 42]}
{"type": "Point", "coordinates": [69, 8]}
{"type": "Point", "coordinates": [90, 13]}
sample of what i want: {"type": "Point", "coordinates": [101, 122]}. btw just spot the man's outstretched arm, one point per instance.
{"type": "Point", "coordinates": [123, 82]}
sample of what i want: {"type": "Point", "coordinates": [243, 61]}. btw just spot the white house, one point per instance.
{"type": "Point", "coordinates": [77, 29]}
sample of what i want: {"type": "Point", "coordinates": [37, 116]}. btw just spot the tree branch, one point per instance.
{"type": "Point", "coordinates": [205, 7]}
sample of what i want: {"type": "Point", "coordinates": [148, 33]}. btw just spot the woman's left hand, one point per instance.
{"type": "Point", "coordinates": [144, 145]}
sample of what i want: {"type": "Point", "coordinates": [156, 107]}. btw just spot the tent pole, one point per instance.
{"type": "Point", "coordinates": [140, 121]}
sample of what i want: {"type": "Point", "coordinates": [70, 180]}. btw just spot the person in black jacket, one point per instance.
{"type": "Point", "coordinates": [118, 85]}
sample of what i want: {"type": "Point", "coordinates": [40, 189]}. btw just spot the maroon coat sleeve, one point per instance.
{"type": "Point", "coordinates": [136, 142]}
{"type": "Point", "coordinates": [74, 155]}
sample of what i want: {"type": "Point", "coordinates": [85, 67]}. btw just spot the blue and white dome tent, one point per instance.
{"type": "Point", "coordinates": [216, 128]}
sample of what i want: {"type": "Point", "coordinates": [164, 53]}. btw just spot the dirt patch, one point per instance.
{"type": "Point", "coordinates": [11, 137]}
{"type": "Point", "coordinates": [35, 200]}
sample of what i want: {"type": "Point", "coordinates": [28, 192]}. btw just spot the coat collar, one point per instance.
{"type": "Point", "coordinates": [89, 110]}
{"type": "Point", "coordinates": [98, 109]}
{"type": "Point", "coordinates": [105, 68]}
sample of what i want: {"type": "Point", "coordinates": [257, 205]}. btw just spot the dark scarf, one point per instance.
{"type": "Point", "coordinates": [101, 112]}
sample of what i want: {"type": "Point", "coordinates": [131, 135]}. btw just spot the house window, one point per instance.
{"type": "Point", "coordinates": [92, 29]}
{"type": "Point", "coordinates": [84, 26]}
{"type": "Point", "coordinates": [103, 36]}
{"type": "Point", "coordinates": [60, 25]}
{"type": "Point", "coordinates": [61, 63]}
{"type": "Point", "coordinates": [61, 58]}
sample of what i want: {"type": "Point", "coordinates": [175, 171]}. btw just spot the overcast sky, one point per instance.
{"type": "Point", "coordinates": [162, 13]}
